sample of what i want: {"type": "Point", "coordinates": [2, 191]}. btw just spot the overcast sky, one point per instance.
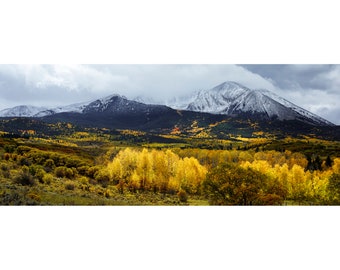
{"type": "Point", "coordinates": [313, 87]}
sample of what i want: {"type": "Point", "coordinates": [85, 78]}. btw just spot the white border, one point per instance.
{"type": "Point", "coordinates": [113, 32]}
{"type": "Point", "coordinates": [176, 31]}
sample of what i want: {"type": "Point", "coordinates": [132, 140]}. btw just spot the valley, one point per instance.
{"type": "Point", "coordinates": [228, 146]}
{"type": "Point", "coordinates": [63, 164]}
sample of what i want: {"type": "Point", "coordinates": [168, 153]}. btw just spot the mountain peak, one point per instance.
{"type": "Point", "coordinates": [232, 98]}
{"type": "Point", "coordinates": [227, 98]}
{"type": "Point", "coordinates": [218, 99]}
{"type": "Point", "coordinates": [114, 104]}
{"type": "Point", "coordinates": [21, 111]}
{"type": "Point", "coordinates": [110, 97]}
{"type": "Point", "coordinates": [228, 85]}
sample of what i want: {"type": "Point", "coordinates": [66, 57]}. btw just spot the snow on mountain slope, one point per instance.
{"type": "Point", "coordinates": [228, 98]}
{"type": "Point", "coordinates": [78, 108]}
{"type": "Point", "coordinates": [219, 99]}
{"type": "Point", "coordinates": [294, 107]}
{"type": "Point", "coordinates": [232, 98]}
{"type": "Point", "coordinates": [146, 100]}
{"type": "Point", "coordinates": [102, 104]}
{"type": "Point", "coordinates": [255, 102]}
{"type": "Point", "coordinates": [120, 104]}
{"type": "Point", "coordinates": [179, 103]}
{"type": "Point", "coordinates": [21, 111]}
{"type": "Point", "coordinates": [32, 111]}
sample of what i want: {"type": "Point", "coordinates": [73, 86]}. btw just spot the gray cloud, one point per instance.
{"type": "Point", "coordinates": [313, 87]}
{"type": "Point", "coordinates": [298, 76]}
{"type": "Point", "coordinates": [65, 84]}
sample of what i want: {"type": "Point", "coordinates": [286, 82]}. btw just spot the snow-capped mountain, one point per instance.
{"type": "Point", "coordinates": [104, 104]}
{"type": "Point", "coordinates": [231, 98]}
{"type": "Point", "coordinates": [21, 111]}
{"type": "Point", "coordinates": [146, 100]}
{"type": "Point", "coordinates": [228, 98]}
{"type": "Point", "coordinates": [119, 104]}
{"type": "Point", "coordinates": [300, 111]}
{"type": "Point", "coordinates": [179, 102]}
{"type": "Point", "coordinates": [77, 108]}
{"type": "Point", "coordinates": [118, 112]}
{"type": "Point", "coordinates": [112, 103]}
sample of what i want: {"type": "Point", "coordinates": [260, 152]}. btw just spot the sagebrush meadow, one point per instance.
{"type": "Point", "coordinates": [89, 169]}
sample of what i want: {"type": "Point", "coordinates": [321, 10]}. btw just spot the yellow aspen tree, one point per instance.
{"type": "Point", "coordinates": [319, 182]}
{"type": "Point", "coordinates": [282, 174]}
{"type": "Point", "coordinates": [297, 159]}
{"type": "Point", "coordinates": [297, 183]}
{"type": "Point", "coordinates": [190, 174]}
{"type": "Point", "coordinates": [234, 156]}
{"type": "Point", "coordinates": [246, 164]}
{"type": "Point", "coordinates": [227, 156]}
{"type": "Point", "coordinates": [128, 159]}
{"type": "Point", "coordinates": [336, 165]}
{"type": "Point", "coordinates": [281, 161]}
{"type": "Point", "coordinates": [172, 161]}
{"type": "Point", "coordinates": [115, 169]}
{"type": "Point", "coordinates": [245, 156]}
{"type": "Point", "coordinates": [160, 168]}
{"type": "Point", "coordinates": [156, 170]}
{"type": "Point", "coordinates": [135, 181]}
{"type": "Point", "coordinates": [122, 167]}
{"type": "Point", "coordinates": [180, 176]}
{"type": "Point", "coordinates": [174, 185]}
{"type": "Point", "coordinates": [262, 166]}
{"type": "Point", "coordinates": [143, 170]}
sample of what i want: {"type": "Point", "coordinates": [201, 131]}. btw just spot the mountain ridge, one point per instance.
{"type": "Point", "coordinates": [21, 111]}
{"type": "Point", "coordinates": [232, 98]}
{"type": "Point", "coordinates": [228, 98]}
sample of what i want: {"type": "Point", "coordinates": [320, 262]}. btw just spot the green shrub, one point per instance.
{"type": "Point", "coordinates": [63, 171]}
{"type": "Point", "coordinates": [23, 149]}
{"type": "Point", "coordinates": [23, 161]}
{"type": "Point", "coordinates": [83, 180]}
{"type": "Point", "coordinates": [334, 189]}
{"type": "Point", "coordinates": [5, 170]}
{"type": "Point", "coordinates": [25, 178]}
{"type": "Point", "coordinates": [182, 196]}
{"type": "Point", "coordinates": [34, 196]}
{"type": "Point", "coordinates": [47, 178]}
{"type": "Point", "coordinates": [92, 171]}
{"type": "Point", "coordinates": [6, 156]}
{"type": "Point", "coordinates": [232, 185]}
{"type": "Point", "coordinates": [73, 162]}
{"type": "Point", "coordinates": [33, 169]}
{"type": "Point", "coordinates": [9, 148]}
{"type": "Point", "coordinates": [6, 174]}
{"type": "Point", "coordinates": [83, 170]}
{"type": "Point", "coordinates": [69, 185]}
{"type": "Point", "coordinates": [49, 165]}
{"type": "Point", "coordinates": [4, 167]}
{"type": "Point", "coordinates": [16, 198]}
{"type": "Point", "coordinates": [39, 174]}
{"type": "Point", "coordinates": [60, 171]}
{"type": "Point", "coordinates": [69, 173]}
{"type": "Point", "coordinates": [102, 177]}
